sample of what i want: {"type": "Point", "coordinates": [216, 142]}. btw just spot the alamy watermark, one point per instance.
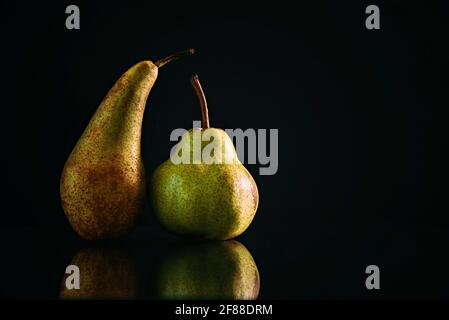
{"type": "Point", "coordinates": [208, 146]}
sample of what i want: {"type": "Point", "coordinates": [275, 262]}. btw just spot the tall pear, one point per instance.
{"type": "Point", "coordinates": [203, 190]}
{"type": "Point", "coordinates": [102, 185]}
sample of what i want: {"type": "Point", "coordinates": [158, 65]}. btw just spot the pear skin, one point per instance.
{"type": "Point", "coordinates": [102, 185]}
{"type": "Point", "coordinates": [211, 201]}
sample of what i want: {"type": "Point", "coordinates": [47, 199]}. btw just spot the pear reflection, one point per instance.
{"type": "Point", "coordinates": [211, 270]}
{"type": "Point", "coordinates": [105, 273]}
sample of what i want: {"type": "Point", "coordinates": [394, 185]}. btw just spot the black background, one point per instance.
{"type": "Point", "coordinates": [363, 132]}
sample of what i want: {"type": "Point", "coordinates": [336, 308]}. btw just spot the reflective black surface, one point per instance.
{"type": "Point", "coordinates": [312, 263]}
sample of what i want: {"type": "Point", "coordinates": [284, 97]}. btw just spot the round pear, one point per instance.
{"type": "Point", "coordinates": [211, 270]}
{"type": "Point", "coordinates": [203, 190]}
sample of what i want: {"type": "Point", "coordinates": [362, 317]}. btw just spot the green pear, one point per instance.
{"type": "Point", "coordinates": [103, 184]}
{"type": "Point", "coordinates": [105, 273]}
{"type": "Point", "coordinates": [208, 193]}
{"type": "Point", "coordinates": [212, 270]}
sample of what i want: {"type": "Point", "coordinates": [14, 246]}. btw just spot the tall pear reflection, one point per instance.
{"type": "Point", "coordinates": [211, 270]}
{"type": "Point", "coordinates": [105, 273]}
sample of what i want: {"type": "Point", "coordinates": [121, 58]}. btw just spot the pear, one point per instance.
{"type": "Point", "coordinates": [210, 195]}
{"type": "Point", "coordinates": [211, 270]}
{"type": "Point", "coordinates": [105, 273]}
{"type": "Point", "coordinates": [103, 184]}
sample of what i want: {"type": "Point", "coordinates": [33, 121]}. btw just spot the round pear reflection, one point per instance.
{"type": "Point", "coordinates": [211, 270]}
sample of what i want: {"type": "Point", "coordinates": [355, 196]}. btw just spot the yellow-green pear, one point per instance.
{"type": "Point", "coordinates": [212, 270]}
{"type": "Point", "coordinates": [103, 184]}
{"type": "Point", "coordinates": [203, 190]}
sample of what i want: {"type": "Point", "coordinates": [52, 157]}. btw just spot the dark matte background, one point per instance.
{"type": "Point", "coordinates": [362, 118]}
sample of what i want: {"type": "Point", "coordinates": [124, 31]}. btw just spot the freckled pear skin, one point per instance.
{"type": "Point", "coordinates": [103, 184]}
{"type": "Point", "coordinates": [211, 201]}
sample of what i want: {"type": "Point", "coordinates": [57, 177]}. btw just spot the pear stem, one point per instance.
{"type": "Point", "coordinates": [202, 99]}
{"type": "Point", "coordinates": [162, 62]}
